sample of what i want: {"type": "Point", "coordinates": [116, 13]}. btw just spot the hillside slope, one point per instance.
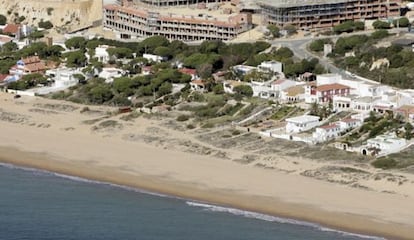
{"type": "Point", "coordinates": [65, 15]}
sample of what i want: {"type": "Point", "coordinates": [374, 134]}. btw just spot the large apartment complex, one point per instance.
{"type": "Point", "coordinates": [164, 3]}
{"type": "Point", "coordinates": [310, 14]}
{"type": "Point", "coordinates": [131, 22]}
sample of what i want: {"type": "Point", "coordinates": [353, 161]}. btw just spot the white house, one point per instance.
{"type": "Point", "coordinates": [262, 89]}
{"type": "Point", "coordinates": [349, 123]}
{"type": "Point", "coordinates": [386, 143]}
{"type": "Point", "coordinates": [326, 132]}
{"type": "Point", "coordinates": [301, 123]}
{"type": "Point", "coordinates": [328, 78]}
{"type": "Point", "coordinates": [101, 53]}
{"type": "Point", "coordinates": [271, 66]}
{"type": "Point", "coordinates": [363, 104]}
{"type": "Point", "coordinates": [293, 94]}
{"type": "Point", "coordinates": [271, 89]}
{"type": "Point", "coordinates": [153, 58]}
{"type": "Point", "coordinates": [109, 74]}
{"type": "Point", "coordinates": [63, 77]}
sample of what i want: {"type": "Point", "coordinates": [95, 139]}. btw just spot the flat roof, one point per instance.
{"type": "Point", "coordinates": [303, 119]}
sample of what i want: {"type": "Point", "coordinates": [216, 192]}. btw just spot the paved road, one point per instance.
{"type": "Point", "coordinates": [299, 48]}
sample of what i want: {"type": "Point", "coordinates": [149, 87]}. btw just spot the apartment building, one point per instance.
{"type": "Point", "coordinates": [325, 13]}
{"type": "Point", "coordinates": [167, 3]}
{"type": "Point", "coordinates": [131, 23]}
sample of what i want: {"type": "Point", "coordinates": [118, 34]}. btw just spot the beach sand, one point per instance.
{"type": "Point", "coordinates": [56, 136]}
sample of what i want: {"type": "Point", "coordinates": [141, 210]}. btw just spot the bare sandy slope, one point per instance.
{"type": "Point", "coordinates": [70, 13]}
{"type": "Point", "coordinates": [55, 135]}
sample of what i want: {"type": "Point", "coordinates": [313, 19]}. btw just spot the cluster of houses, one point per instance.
{"type": "Point", "coordinates": [358, 97]}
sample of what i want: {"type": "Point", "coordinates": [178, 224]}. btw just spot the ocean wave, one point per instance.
{"type": "Point", "coordinates": [269, 218]}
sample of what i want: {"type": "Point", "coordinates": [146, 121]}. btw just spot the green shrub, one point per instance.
{"type": "Point", "coordinates": [182, 118]}
{"type": "Point", "coordinates": [190, 126]}
{"type": "Point", "coordinates": [384, 163]}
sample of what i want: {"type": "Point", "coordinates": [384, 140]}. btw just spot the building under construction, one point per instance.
{"type": "Point", "coordinates": [131, 23]}
{"type": "Point", "coordinates": [166, 3]}
{"type": "Point", "coordinates": [311, 14]}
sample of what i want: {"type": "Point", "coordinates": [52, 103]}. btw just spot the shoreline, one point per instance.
{"type": "Point", "coordinates": [192, 202]}
{"type": "Point", "coordinates": [59, 137]}
{"type": "Point", "coordinates": [346, 223]}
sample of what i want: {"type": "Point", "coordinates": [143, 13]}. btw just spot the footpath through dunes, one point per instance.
{"type": "Point", "coordinates": [162, 157]}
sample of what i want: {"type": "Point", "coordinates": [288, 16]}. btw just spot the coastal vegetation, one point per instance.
{"type": "Point", "coordinates": [358, 53]}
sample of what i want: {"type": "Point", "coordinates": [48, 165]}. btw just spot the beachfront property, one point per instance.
{"type": "Point", "coordinates": [301, 123]}
{"type": "Point", "coordinates": [63, 77]}
{"type": "Point", "coordinates": [130, 22]}
{"type": "Point", "coordinates": [325, 14]}
{"type": "Point", "coordinates": [333, 130]}
{"type": "Point", "coordinates": [383, 145]}
{"type": "Point", "coordinates": [326, 132]}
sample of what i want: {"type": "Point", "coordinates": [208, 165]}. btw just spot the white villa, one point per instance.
{"type": "Point", "coordinates": [271, 66]}
{"type": "Point", "coordinates": [271, 89]}
{"type": "Point", "coordinates": [102, 54]}
{"type": "Point", "coordinates": [243, 69]}
{"type": "Point", "coordinates": [301, 123]}
{"type": "Point", "coordinates": [153, 58]}
{"type": "Point", "coordinates": [326, 132]}
{"type": "Point", "coordinates": [331, 131]}
{"type": "Point", "coordinates": [293, 94]}
{"type": "Point", "coordinates": [109, 74]}
{"type": "Point", "coordinates": [386, 144]}
{"type": "Point", "coordinates": [63, 77]}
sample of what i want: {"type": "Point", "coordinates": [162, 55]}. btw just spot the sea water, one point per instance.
{"type": "Point", "coordinates": [42, 205]}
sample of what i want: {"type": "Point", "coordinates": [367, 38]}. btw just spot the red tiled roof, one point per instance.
{"type": "Point", "coordinates": [280, 81]}
{"type": "Point", "coordinates": [11, 28]}
{"type": "Point", "coordinates": [348, 120]}
{"type": "Point", "coordinates": [198, 82]}
{"type": "Point", "coordinates": [334, 86]}
{"type": "Point", "coordinates": [329, 126]}
{"type": "Point", "coordinates": [188, 71]}
{"type": "Point", "coordinates": [32, 59]}
{"type": "Point", "coordinates": [5, 39]}
{"type": "Point", "coordinates": [3, 77]}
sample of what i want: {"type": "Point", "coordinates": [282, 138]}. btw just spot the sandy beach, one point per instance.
{"type": "Point", "coordinates": [151, 154]}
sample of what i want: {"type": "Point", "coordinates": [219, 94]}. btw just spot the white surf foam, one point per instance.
{"type": "Point", "coordinates": [270, 218]}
